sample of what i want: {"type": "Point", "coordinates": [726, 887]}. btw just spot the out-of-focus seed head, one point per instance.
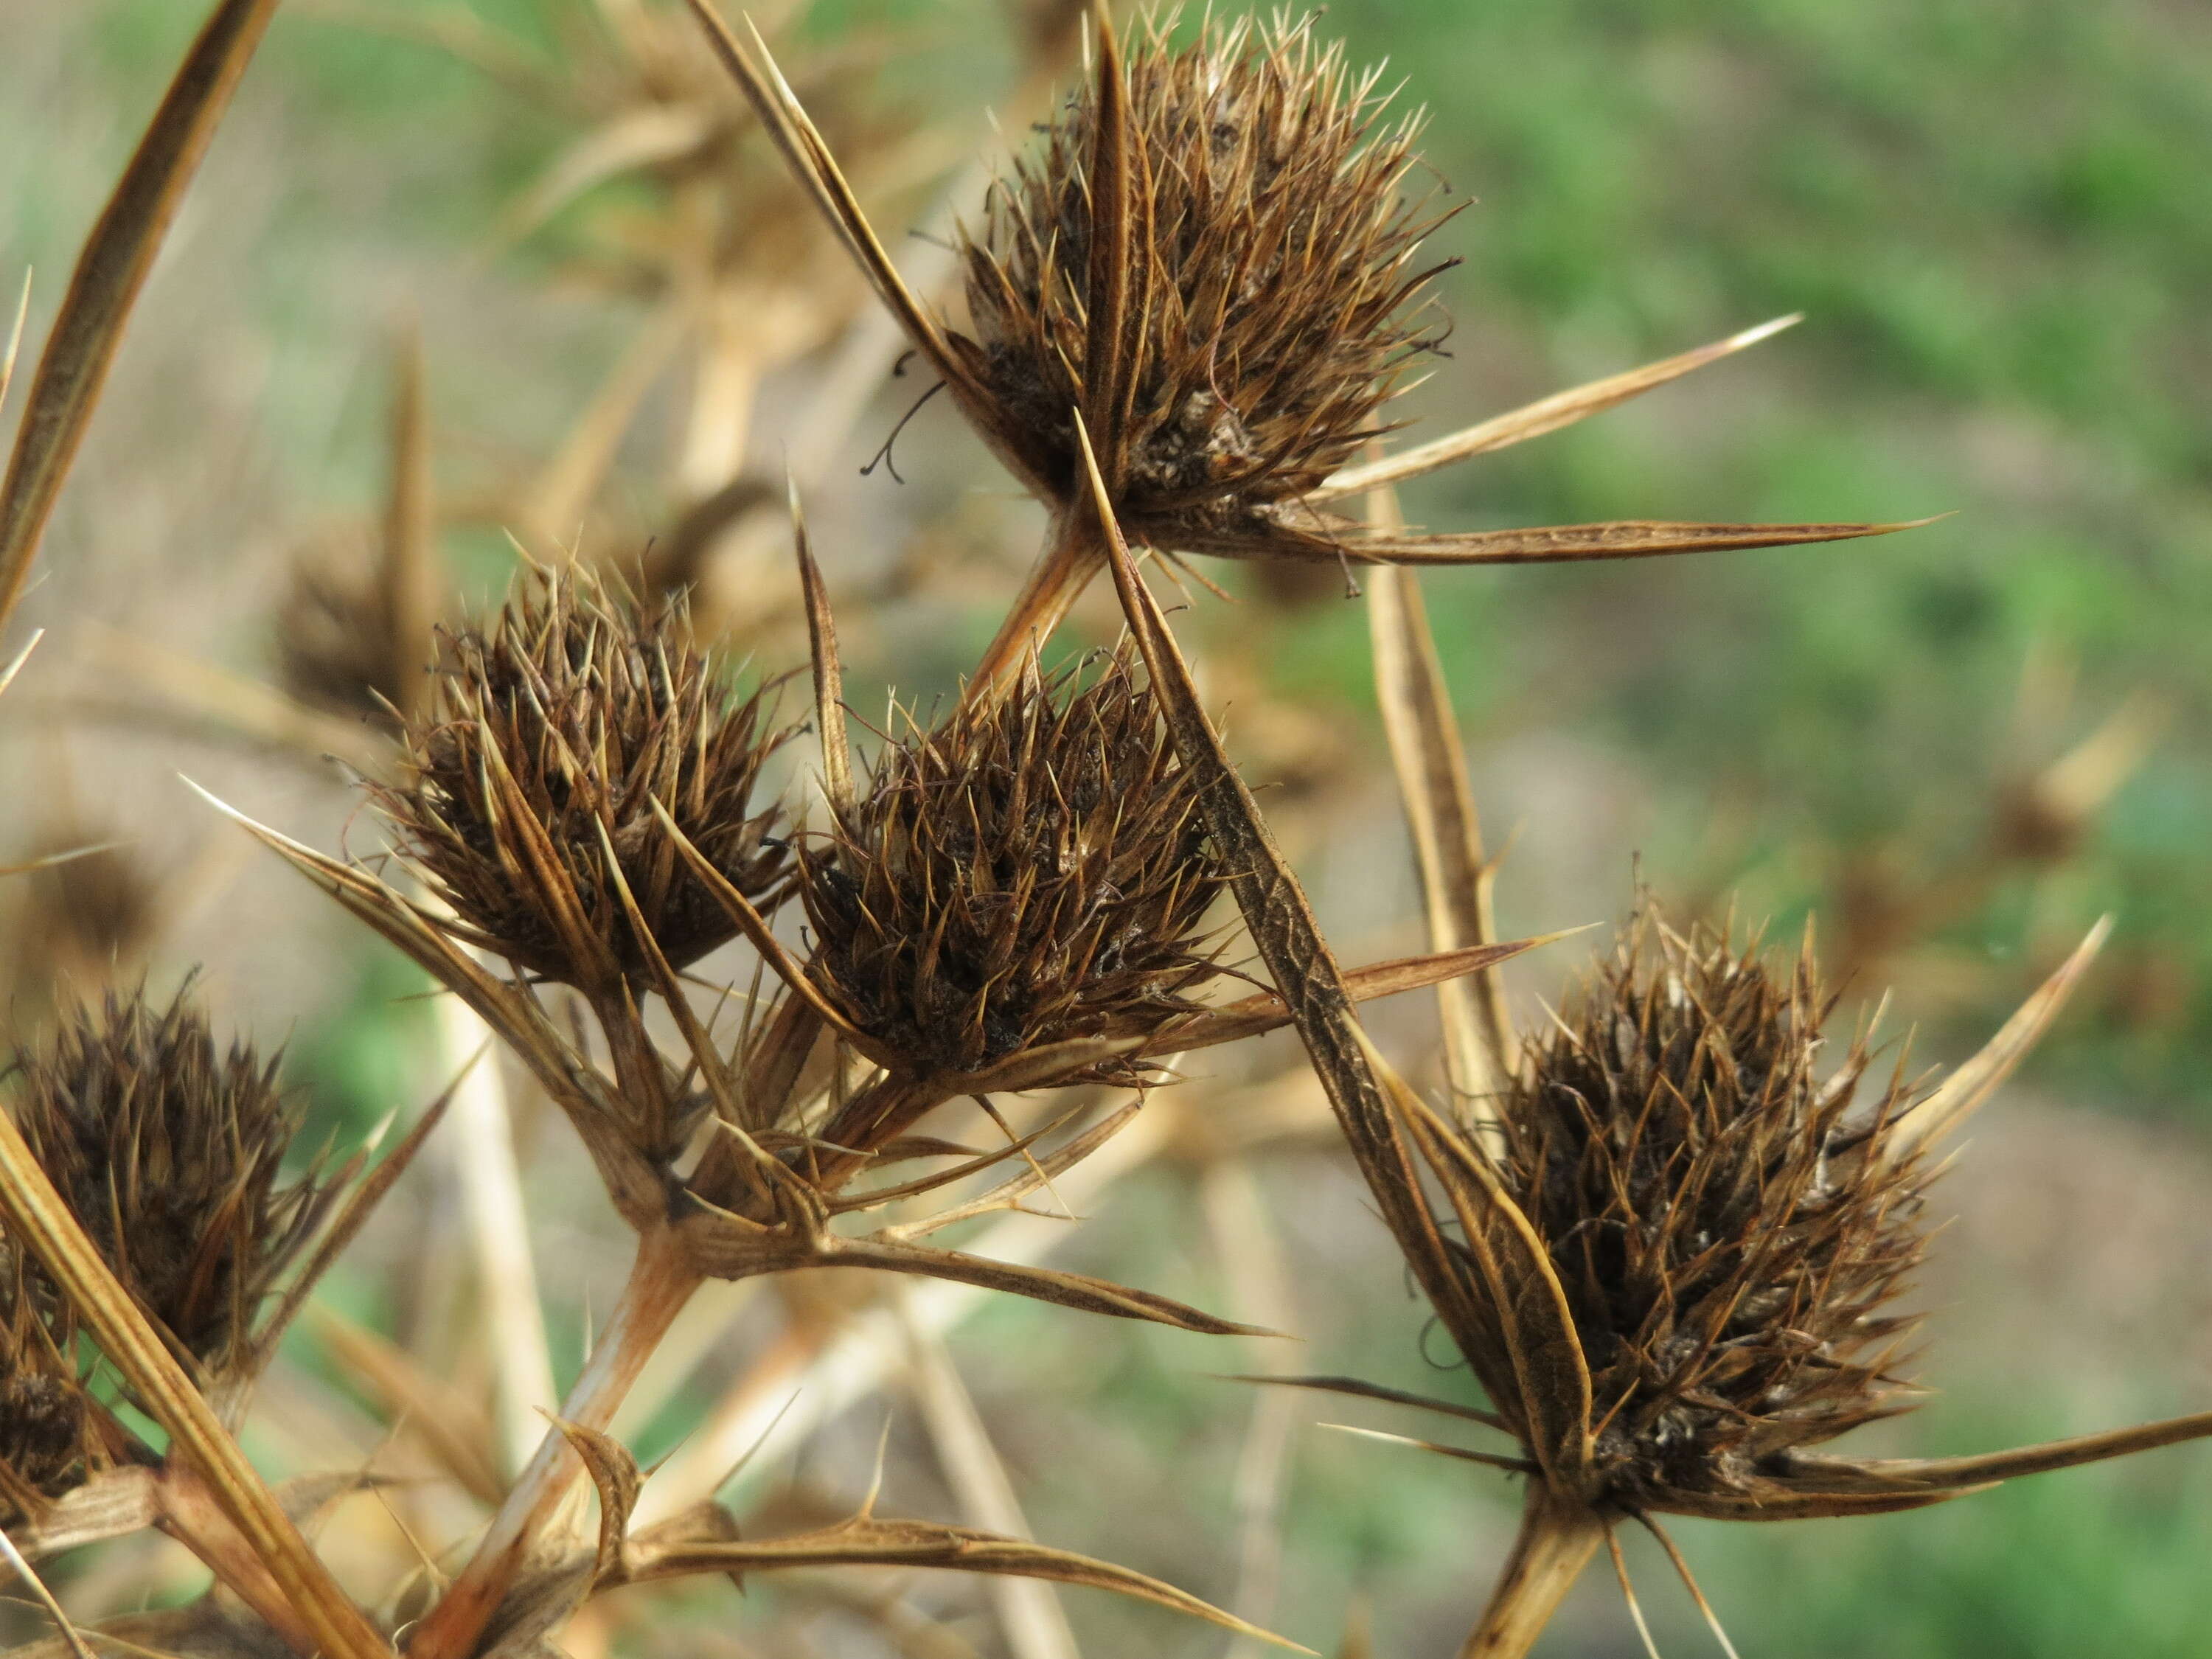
{"type": "Point", "coordinates": [339, 644]}
{"type": "Point", "coordinates": [169, 1151]}
{"type": "Point", "coordinates": [1719, 1212]}
{"type": "Point", "coordinates": [554, 729]}
{"type": "Point", "coordinates": [1032, 870]}
{"type": "Point", "coordinates": [1275, 245]}
{"type": "Point", "coordinates": [46, 1446]}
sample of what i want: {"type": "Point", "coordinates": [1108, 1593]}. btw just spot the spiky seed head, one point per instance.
{"type": "Point", "coordinates": [561, 721]}
{"type": "Point", "coordinates": [1719, 1210]}
{"type": "Point", "coordinates": [169, 1151]}
{"type": "Point", "coordinates": [1274, 244]}
{"type": "Point", "coordinates": [1032, 870]}
{"type": "Point", "coordinates": [46, 1444]}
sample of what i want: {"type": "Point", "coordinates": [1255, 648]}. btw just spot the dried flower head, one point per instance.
{"type": "Point", "coordinates": [46, 1444]}
{"type": "Point", "coordinates": [1024, 874]}
{"type": "Point", "coordinates": [1269, 260]}
{"type": "Point", "coordinates": [169, 1151]}
{"type": "Point", "coordinates": [1721, 1213]}
{"type": "Point", "coordinates": [1669, 1261]}
{"type": "Point", "coordinates": [554, 730]}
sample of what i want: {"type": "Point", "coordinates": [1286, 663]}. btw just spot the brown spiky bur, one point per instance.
{"type": "Point", "coordinates": [1024, 875]}
{"type": "Point", "coordinates": [168, 1149]}
{"type": "Point", "coordinates": [1719, 1210]}
{"type": "Point", "coordinates": [554, 730]}
{"type": "Point", "coordinates": [1670, 1254]}
{"type": "Point", "coordinates": [1264, 254]}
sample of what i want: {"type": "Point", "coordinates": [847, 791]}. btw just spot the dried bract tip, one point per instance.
{"type": "Point", "coordinates": [1251, 217]}
{"type": "Point", "coordinates": [554, 729]}
{"type": "Point", "coordinates": [1719, 1212]}
{"type": "Point", "coordinates": [169, 1149]}
{"type": "Point", "coordinates": [1027, 873]}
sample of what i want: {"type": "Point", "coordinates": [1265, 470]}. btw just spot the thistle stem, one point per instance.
{"type": "Point", "coordinates": [1072, 555]}
{"type": "Point", "coordinates": [1557, 1538]}
{"type": "Point", "coordinates": [661, 1281]}
{"type": "Point", "coordinates": [189, 1514]}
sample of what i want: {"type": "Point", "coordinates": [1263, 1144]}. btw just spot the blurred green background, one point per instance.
{"type": "Point", "coordinates": [1997, 217]}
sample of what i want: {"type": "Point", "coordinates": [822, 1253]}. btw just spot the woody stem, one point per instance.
{"type": "Point", "coordinates": [1557, 1538]}
{"type": "Point", "coordinates": [661, 1281]}
{"type": "Point", "coordinates": [1072, 555]}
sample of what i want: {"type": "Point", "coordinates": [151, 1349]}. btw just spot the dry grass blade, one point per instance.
{"type": "Point", "coordinates": [786, 967]}
{"type": "Point", "coordinates": [36, 1216]}
{"type": "Point", "coordinates": [1116, 303]}
{"type": "Point", "coordinates": [1430, 761]}
{"type": "Point", "coordinates": [1492, 1460]}
{"type": "Point", "coordinates": [38, 1586]}
{"type": "Point", "coordinates": [865, 1541]}
{"type": "Point", "coordinates": [451, 1426]}
{"type": "Point", "coordinates": [110, 271]}
{"type": "Point", "coordinates": [1561, 408]}
{"type": "Point", "coordinates": [1080, 1292]}
{"type": "Point", "coordinates": [1966, 1089]}
{"type": "Point", "coordinates": [816, 170]}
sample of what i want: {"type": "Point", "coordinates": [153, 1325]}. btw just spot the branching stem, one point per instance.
{"type": "Point", "coordinates": [1557, 1539]}
{"type": "Point", "coordinates": [661, 1281]}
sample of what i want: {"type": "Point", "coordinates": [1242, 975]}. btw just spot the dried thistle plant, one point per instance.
{"type": "Point", "coordinates": [1673, 1268]}
{"type": "Point", "coordinates": [1274, 298]}
{"type": "Point", "coordinates": [548, 739]}
{"type": "Point", "coordinates": [1225, 313]}
{"type": "Point", "coordinates": [1025, 875]}
{"type": "Point", "coordinates": [169, 1151]}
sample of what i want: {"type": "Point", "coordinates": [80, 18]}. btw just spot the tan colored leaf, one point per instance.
{"type": "Point", "coordinates": [1623, 538]}
{"type": "Point", "coordinates": [865, 1540]}
{"type": "Point", "coordinates": [110, 271]}
{"type": "Point", "coordinates": [408, 570]}
{"type": "Point", "coordinates": [1357, 1389]}
{"type": "Point", "coordinates": [1534, 420]}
